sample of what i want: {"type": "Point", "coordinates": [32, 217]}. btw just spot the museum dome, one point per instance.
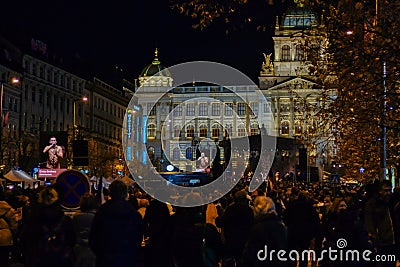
{"type": "Point", "coordinates": [155, 68]}
{"type": "Point", "coordinates": [155, 74]}
{"type": "Point", "coordinates": [299, 17]}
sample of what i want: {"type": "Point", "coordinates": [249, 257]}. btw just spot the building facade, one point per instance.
{"type": "Point", "coordinates": [286, 80]}
{"type": "Point", "coordinates": [49, 99]}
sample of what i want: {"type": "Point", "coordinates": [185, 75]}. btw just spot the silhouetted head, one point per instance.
{"type": "Point", "coordinates": [48, 196]}
{"type": "Point", "coordinates": [118, 190]}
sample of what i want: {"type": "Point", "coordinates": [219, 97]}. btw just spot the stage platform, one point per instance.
{"type": "Point", "coordinates": [187, 178]}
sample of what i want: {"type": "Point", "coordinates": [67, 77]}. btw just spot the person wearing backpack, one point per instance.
{"type": "Point", "coordinates": [48, 236]}
{"type": "Point", "coordinates": [8, 228]}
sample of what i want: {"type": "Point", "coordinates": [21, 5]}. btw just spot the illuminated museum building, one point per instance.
{"type": "Point", "coordinates": [284, 80]}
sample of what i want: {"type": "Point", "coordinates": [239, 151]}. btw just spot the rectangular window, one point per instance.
{"type": "Point", "coordinates": [34, 70]}
{"type": "Point", "coordinates": [177, 131]}
{"type": "Point", "coordinates": [151, 109]}
{"type": "Point", "coordinates": [49, 75]}
{"type": "Point", "coordinates": [33, 95]}
{"type": "Point", "coordinates": [241, 131]}
{"type": "Point", "coordinates": [203, 109]}
{"type": "Point", "coordinates": [48, 99]}
{"type": "Point", "coordinates": [254, 108]}
{"type": "Point", "coordinates": [228, 109]}
{"type": "Point", "coordinates": [203, 132]}
{"type": "Point", "coordinates": [215, 132]}
{"type": "Point", "coordinates": [228, 130]}
{"type": "Point", "coordinates": [266, 108]}
{"type": "Point", "coordinates": [190, 132]}
{"type": "Point", "coordinates": [190, 109]}
{"type": "Point", "coordinates": [55, 102]}
{"type": "Point", "coordinates": [241, 109]}
{"type": "Point", "coordinates": [177, 110]}
{"type": "Point", "coordinates": [40, 96]}
{"type": "Point", "coordinates": [41, 72]}
{"type": "Point", "coordinates": [215, 109]}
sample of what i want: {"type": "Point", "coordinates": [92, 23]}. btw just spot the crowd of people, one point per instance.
{"type": "Point", "coordinates": [130, 228]}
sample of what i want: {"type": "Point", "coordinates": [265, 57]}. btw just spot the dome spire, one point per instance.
{"type": "Point", "coordinates": [299, 3]}
{"type": "Point", "coordinates": [155, 60]}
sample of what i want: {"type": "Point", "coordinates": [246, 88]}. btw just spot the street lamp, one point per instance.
{"type": "Point", "coordinates": [83, 99]}
{"type": "Point", "coordinates": [13, 81]}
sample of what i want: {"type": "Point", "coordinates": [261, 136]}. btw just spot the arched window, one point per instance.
{"type": "Point", "coordinates": [190, 131]}
{"type": "Point", "coordinates": [150, 152]}
{"type": "Point", "coordinates": [228, 130]}
{"type": "Point", "coordinates": [241, 130]}
{"type": "Point", "coordinates": [285, 53]}
{"type": "Point", "coordinates": [215, 131]}
{"type": "Point", "coordinates": [285, 127]}
{"type": "Point", "coordinates": [298, 129]}
{"type": "Point", "coordinates": [203, 131]}
{"type": "Point", "coordinates": [176, 154]}
{"type": "Point", "coordinates": [254, 129]}
{"type": "Point", "coordinates": [189, 153]}
{"type": "Point", "coordinates": [151, 131]}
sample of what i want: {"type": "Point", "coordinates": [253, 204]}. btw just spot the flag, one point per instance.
{"type": "Point", "coordinates": [100, 195]}
{"type": "Point", "coordinates": [5, 120]}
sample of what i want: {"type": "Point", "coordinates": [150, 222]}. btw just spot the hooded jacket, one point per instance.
{"type": "Point", "coordinates": [8, 224]}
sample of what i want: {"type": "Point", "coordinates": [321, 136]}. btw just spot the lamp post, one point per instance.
{"type": "Point", "coordinates": [83, 99]}
{"type": "Point", "coordinates": [13, 81]}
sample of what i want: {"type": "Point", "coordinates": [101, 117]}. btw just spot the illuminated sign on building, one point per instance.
{"type": "Point", "coordinates": [129, 124]}
{"type": "Point", "coordinates": [145, 129]}
{"type": "Point", "coordinates": [129, 152]}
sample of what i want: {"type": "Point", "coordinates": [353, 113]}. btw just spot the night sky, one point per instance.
{"type": "Point", "coordinates": [102, 35]}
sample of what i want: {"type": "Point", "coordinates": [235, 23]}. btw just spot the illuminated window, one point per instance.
{"type": "Point", "coordinates": [177, 110]}
{"type": "Point", "coordinates": [241, 109]}
{"type": "Point", "coordinates": [215, 131]}
{"type": "Point", "coordinates": [151, 109]}
{"type": "Point", "coordinates": [190, 131]}
{"type": "Point", "coordinates": [254, 108]}
{"type": "Point", "coordinates": [299, 53]}
{"type": "Point", "coordinates": [151, 131]}
{"type": "Point", "coordinates": [285, 127]}
{"type": "Point", "coordinates": [298, 129]}
{"type": "Point", "coordinates": [150, 152]}
{"type": "Point", "coordinates": [241, 130]}
{"type": "Point", "coordinates": [203, 131]}
{"type": "Point", "coordinates": [203, 109]}
{"type": "Point", "coordinates": [215, 109]}
{"type": "Point", "coordinates": [285, 53]}
{"type": "Point", "coordinates": [228, 130]}
{"type": "Point", "coordinates": [228, 109]}
{"type": "Point", "coordinates": [254, 129]}
{"type": "Point", "coordinates": [190, 109]}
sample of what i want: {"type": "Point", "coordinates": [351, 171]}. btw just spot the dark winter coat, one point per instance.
{"type": "Point", "coordinates": [116, 234]}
